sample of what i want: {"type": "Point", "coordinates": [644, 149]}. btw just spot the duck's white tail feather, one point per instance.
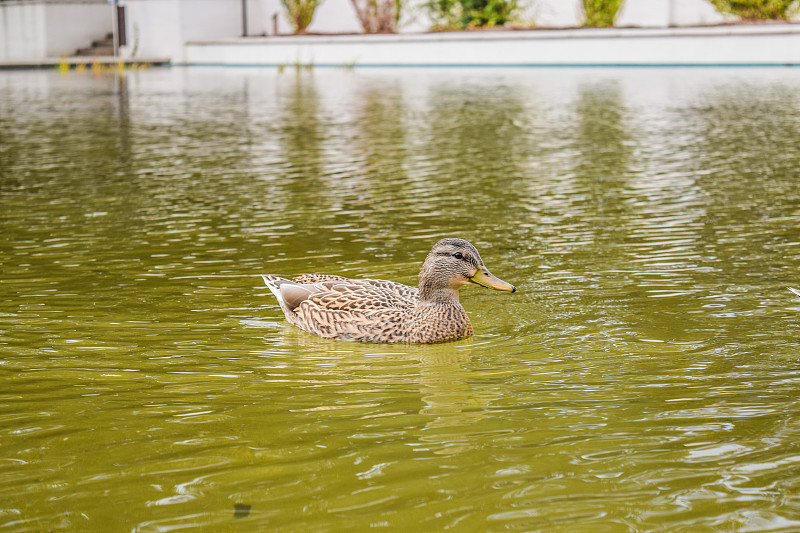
{"type": "Point", "coordinates": [289, 294]}
{"type": "Point", "coordinates": [794, 291]}
{"type": "Point", "coordinates": [273, 282]}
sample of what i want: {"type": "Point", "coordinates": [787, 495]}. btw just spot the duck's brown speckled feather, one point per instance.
{"type": "Point", "coordinates": [372, 310]}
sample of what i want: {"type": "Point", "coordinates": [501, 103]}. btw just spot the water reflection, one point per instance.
{"type": "Point", "coordinates": [477, 139]}
{"type": "Point", "coordinates": [301, 131]}
{"type": "Point", "coordinates": [601, 168]}
{"type": "Point", "coordinates": [380, 134]}
{"type": "Point", "coordinates": [749, 177]}
{"type": "Point", "coordinates": [603, 146]}
{"type": "Point", "coordinates": [445, 389]}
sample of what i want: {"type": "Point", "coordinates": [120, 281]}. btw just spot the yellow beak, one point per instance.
{"type": "Point", "coordinates": [487, 279]}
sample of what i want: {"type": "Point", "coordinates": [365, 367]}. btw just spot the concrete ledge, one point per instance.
{"type": "Point", "coordinates": [80, 60]}
{"type": "Point", "coordinates": [728, 45]}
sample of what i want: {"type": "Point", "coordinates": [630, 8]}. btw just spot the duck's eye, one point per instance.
{"type": "Point", "coordinates": [458, 255]}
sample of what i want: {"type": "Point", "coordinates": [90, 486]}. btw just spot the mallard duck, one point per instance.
{"type": "Point", "coordinates": [794, 291]}
{"type": "Point", "coordinates": [374, 310]}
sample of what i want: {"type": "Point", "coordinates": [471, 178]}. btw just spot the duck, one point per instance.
{"type": "Point", "coordinates": [382, 311]}
{"type": "Point", "coordinates": [797, 292]}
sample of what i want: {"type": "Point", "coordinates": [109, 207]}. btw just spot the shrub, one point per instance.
{"type": "Point", "coordinates": [757, 9]}
{"type": "Point", "coordinates": [378, 16]}
{"type": "Point", "coordinates": [600, 13]}
{"type": "Point", "coordinates": [461, 14]}
{"type": "Point", "coordinates": [300, 13]}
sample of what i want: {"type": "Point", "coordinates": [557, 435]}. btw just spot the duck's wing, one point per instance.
{"type": "Point", "coordinates": [398, 289]}
{"type": "Point", "coordinates": [355, 310]}
{"type": "Point", "coordinates": [391, 293]}
{"type": "Point", "coordinates": [336, 307]}
{"type": "Point", "coordinates": [361, 294]}
{"type": "Point", "coordinates": [341, 317]}
{"type": "Point", "coordinates": [310, 279]}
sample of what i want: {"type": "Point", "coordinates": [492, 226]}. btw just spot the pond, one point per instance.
{"type": "Point", "coordinates": [644, 377]}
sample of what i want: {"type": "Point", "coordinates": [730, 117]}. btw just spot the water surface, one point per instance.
{"type": "Point", "coordinates": [645, 376]}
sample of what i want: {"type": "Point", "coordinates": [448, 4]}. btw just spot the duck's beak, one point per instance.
{"type": "Point", "coordinates": [487, 279]}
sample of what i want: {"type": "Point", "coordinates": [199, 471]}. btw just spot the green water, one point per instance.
{"type": "Point", "coordinates": [644, 377]}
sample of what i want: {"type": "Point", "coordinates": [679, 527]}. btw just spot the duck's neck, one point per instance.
{"type": "Point", "coordinates": [437, 295]}
{"type": "Point", "coordinates": [439, 316]}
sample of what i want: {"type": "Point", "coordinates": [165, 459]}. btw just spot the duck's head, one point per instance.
{"type": "Point", "coordinates": [451, 264]}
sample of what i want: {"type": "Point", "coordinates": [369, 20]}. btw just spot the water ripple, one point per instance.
{"type": "Point", "coordinates": [643, 377]}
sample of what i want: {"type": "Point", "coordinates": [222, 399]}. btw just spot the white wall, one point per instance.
{"type": "Point", "coordinates": [153, 29]}
{"type": "Point", "coordinates": [212, 19]}
{"type": "Point", "coordinates": [65, 37]}
{"type": "Point", "coordinates": [159, 28]}
{"type": "Point", "coordinates": [660, 13]}
{"type": "Point", "coordinates": [36, 30]}
{"type": "Point", "coordinates": [22, 35]}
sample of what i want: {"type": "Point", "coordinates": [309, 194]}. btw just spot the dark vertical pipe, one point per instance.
{"type": "Point", "coordinates": [115, 27]}
{"type": "Point", "coordinates": [122, 40]}
{"type": "Point", "coordinates": [244, 18]}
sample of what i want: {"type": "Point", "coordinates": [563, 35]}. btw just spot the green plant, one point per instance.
{"type": "Point", "coordinates": [300, 13]}
{"type": "Point", "coordinates": [758, 9]}
{"type": "Point", "coordinates": [461, 14]}
{"type": "Point", "coordinates": [445, 14]}
{"type": "Point", "coordinates": [600, 13]}
{"type": "Point", "coordinates": [489, 12]}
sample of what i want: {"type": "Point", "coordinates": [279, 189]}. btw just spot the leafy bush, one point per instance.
{"type": "Point", "coordinates": [461, 14]}
{"type": "Point", "coordinates": [600, 13]}
{"type": "Point", "coordinates": [758, 9]}
{"type": "Point", "coordinates": [300, 13]}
